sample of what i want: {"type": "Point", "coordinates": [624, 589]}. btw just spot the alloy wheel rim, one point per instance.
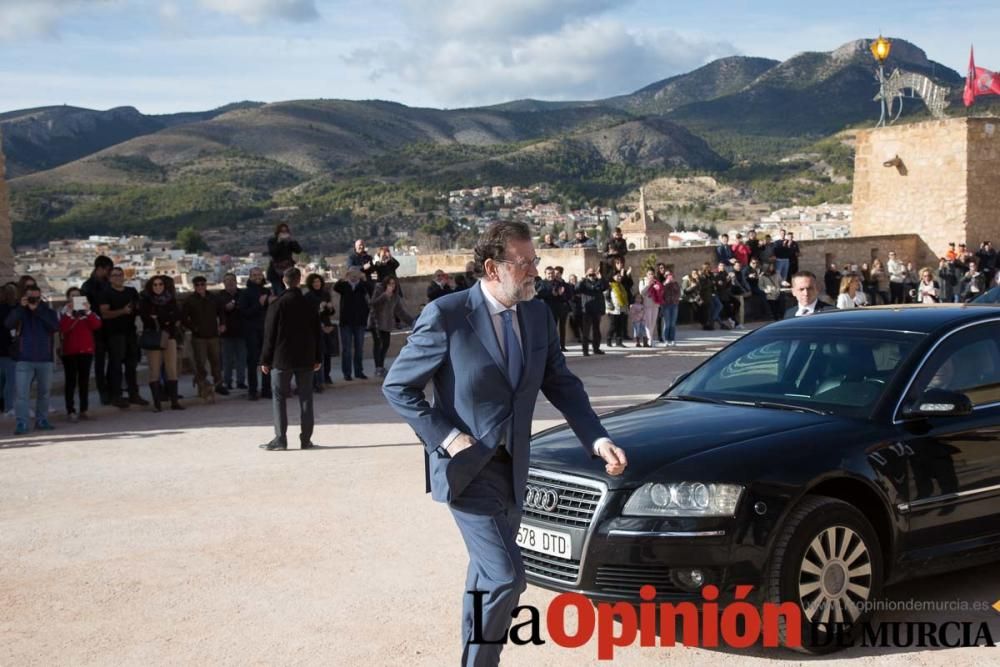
{"type": "Point", "coordinates": [835, 577]}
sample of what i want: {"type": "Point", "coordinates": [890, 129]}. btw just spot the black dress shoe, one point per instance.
{"type": "Point", "coordinates": [307, 445]}
{"type": "Point", "coordinates": [274, 446]}
{"type": "Point", "coordinates": [361, 376]}
{"type": "Point", "coordinates": [598, 351]}
{"type": "Point", "coordinates": [252, 396]}
{"type": "Point", "coordinates": [348, 378]}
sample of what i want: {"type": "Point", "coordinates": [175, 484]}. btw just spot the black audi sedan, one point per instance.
{"type": "Point", "coordinates": [817, 459]}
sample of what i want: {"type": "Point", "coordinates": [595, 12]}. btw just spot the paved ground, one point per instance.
{"type": "Point", "coordinates": [148, 539]}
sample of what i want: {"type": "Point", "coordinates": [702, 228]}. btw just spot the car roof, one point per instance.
{"type": "Point", "coordinates": [917, 318]}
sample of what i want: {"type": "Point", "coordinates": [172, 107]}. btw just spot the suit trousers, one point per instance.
{"type": "Point", "coordinates": [488, 518]}
{"type": "Point", "coordinates": [281, 390]}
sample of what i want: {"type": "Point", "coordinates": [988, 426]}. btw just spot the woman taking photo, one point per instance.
{"type": "Point", "coordinates": [281, 247]}
{"type": "Point", "coordinates": [160, 313]}
{"type": "Point", "coordinates": [387, 308]}
{"type": "Point", "coordinates": [77, 324]}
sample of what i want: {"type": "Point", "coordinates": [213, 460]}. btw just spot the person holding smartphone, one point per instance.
{"type": "Point", "coordinates": [77, 324]}
{"type": "Point", "coordinates": [36, 324]}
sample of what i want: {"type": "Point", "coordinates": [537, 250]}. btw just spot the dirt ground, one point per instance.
{"type": "Point", "coordinates": [171, 539]}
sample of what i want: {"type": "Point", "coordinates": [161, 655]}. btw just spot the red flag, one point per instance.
{"type": "Point", "coordinates": [969, 96]}
{"type": "Point", "coordinates": [979, 81]}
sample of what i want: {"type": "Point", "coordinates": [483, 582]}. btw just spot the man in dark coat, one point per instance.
{"type": "Point", "coordinates": [292, 348]}
{"type": "Point", "coordinates": [94, 288]}
{"type": "Point", "coordinates": [355, 293]}
{"type": "Point", "coordinates": [440, 286]}
{"type": "Point", "coordinates": [591, 290]}
{"type": "Point", "coordinates": [361, 260]}
{"type": "Point", "coordinates": [252, 307]}
{"type": "Point", "coordinates": [805, 289]}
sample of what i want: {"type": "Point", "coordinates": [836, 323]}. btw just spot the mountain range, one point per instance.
{"type": "Point", "coordinates": [72, 165]}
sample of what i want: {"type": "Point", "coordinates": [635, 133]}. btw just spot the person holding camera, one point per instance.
{"type": "Point", "coordinates": [281, 247]}
{"type": "Point", "coordinates": [36, 324]}
{"type": "Point", "coordinates": [77, 324]}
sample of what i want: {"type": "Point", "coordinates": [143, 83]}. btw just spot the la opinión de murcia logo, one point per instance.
{"type": "Point", "coordinates": [737, 624]}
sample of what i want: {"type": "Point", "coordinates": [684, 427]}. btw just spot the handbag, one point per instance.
{"type": "Point", "coordinates": [154, 339]}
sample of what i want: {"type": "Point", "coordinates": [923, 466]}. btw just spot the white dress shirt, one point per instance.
{"type": "Point", "coordinates": [806, 310]}
{"type": "Point", "coordinates": [496, 308]}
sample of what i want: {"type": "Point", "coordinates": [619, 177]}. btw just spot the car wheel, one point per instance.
{"type": "Point", "coordinates": [828, 560]}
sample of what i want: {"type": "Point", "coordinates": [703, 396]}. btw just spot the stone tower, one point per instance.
{"type": "Point", "coordinates": [6, 235]}
{"type": "Point", "coordinates": [937, 178]}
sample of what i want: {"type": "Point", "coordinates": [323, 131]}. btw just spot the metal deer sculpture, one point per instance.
{"type": "Point", "coordinates": [895, 86]}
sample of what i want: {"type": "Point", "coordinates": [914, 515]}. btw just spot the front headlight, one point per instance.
{"type": "Point", "coordinates": [689, 499]}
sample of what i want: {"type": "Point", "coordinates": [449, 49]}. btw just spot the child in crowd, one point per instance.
{"type": "Point", "coordinates": [637, 314]}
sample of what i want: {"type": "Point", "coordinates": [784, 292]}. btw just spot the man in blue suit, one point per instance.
{"type": "Point", "coordinates": [489, 350]}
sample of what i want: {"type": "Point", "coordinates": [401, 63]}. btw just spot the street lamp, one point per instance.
{"type": "Point", "coordinates": [880, 49]}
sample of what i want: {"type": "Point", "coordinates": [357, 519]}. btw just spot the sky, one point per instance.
{"type": "Point", "coordinates": [164, 56]}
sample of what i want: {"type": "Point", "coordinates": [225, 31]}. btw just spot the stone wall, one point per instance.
{"type": "Point", "coordinates": [943, 189]}
{"type": "Point", "coordinates": [6, 235]}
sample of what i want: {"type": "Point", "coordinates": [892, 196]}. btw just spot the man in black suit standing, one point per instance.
{"type": "Point", "coordinates": [292, 347]}
{"type": "Point", "coordinates": [806, 292]}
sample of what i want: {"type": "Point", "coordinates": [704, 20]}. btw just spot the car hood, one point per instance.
{"type": "Point", "coordinates": [662, 432]}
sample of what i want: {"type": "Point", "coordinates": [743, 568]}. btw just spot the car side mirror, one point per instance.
{"type": "Point", "coordinates": [939, 403]}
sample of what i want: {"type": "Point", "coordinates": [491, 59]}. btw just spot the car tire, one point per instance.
{"type": "Point", "coordinates": [825, 580]}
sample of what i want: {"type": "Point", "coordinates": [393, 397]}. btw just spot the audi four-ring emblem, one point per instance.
{"type": "Point", "coordinates": [542, 499]}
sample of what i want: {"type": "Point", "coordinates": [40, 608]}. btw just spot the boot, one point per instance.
{"type": "Point", "coordinates": [172, 391]}
{"type": "Point", "coordinates": [155, 391]}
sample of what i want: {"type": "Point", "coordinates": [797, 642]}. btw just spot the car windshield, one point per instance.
{"type": "Point", "coordinates": [834, 371]}
{"type": "Point", "coordinates": [991, 295]}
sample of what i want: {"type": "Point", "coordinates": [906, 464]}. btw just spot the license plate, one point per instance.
{"type": "Point", "coordinates": [543, 540]}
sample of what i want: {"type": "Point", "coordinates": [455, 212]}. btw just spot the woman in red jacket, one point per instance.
{"type": "Point", "coordinates": [77, 327]}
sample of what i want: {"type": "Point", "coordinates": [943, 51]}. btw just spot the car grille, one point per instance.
{"type": "Point", "coordinates": [551, 567]}
{"type": "Point", "coordinates": [626, 580]}
{"type": "Point", "coordinates": [577, 502]}
{"type": "Point", "coordinates": [577, 506]}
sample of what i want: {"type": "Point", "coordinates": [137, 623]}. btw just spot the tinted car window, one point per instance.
{"type": "Point", "coordinates": [991, 295]}
{"type": "Point", "coordinates": [841, 371]}
{"type": "Point", "coordinates": [968, 361]}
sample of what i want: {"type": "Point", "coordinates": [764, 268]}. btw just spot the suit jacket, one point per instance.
{"type": "Point", "coordinates": [454, 344]}
{"type": "Point", "coordinates": [820, 305]}
{"type": "Point", "coordinates": [291, 333]}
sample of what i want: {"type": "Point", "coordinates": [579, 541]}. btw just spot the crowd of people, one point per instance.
{"type": "Point", "coordinates": [959, 277]}
{"type": "Point", "coordinates": [105, 325]}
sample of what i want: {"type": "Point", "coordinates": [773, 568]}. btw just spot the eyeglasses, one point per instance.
{"type": "Point", "coordinates": [534, 262]}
